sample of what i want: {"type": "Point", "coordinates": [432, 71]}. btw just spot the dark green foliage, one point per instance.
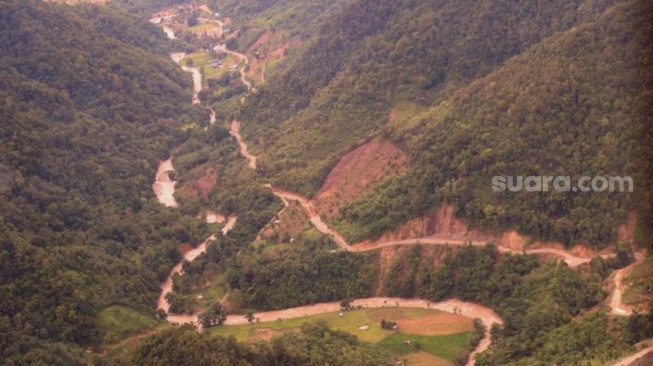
{"type": "Point", "coordinates": [532, 299]}
{"type": "Point", "coordinates": [315, 345]}
{"type": "Point", "coordinates": [582, 339]}
{"type": "Point", "coordinates": [638, 327]}
{"type": "Point", "coordinates": [372, 54]}
{"type": "Point", "coordinates": [299, 277]}
{"type": "Point", "coordinates": [500, 84]}
{"type": "Point", "coordinates": [86, 100]}
{"type": "Point", "coordinates": [400, 279]}
{"type": "Point", "coordinates": [436, 284]}
{"type": "Point", "coordinates": [216, 315]}
{"type": "Point", "coordinates": [388, 324]}
{"type": "Point", "coordinates": [573, 105]}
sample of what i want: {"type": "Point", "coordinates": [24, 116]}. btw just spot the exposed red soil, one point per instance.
{"type": "Point", "coordinates": [201, 180]}
{"type": "Point", "coordinates": [206, 182]}
{"type": "Point", "coordinates": [386, 258]}
{"type": "Point", "coordinates": [357, 171]}
{"type": "Point", "coordinates": [436, 324]}
{"type": "Point", "coordinates": [270, 46]}
{"type": "Point", "coordinates": [626, 232]}
{"type": "Point", "coordinates": [185, 248]}
{"type": "Point", "coordinates": [441, 224]}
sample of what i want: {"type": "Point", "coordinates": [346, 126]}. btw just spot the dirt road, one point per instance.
{"type": "Point", "coordinates": [234, 130]}
{"type": "Point", "coordinates": [631, 359]}
{"type": "Point", "coordinates": [618, 307]}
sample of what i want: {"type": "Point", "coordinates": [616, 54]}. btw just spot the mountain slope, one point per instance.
{"type": "Point", "coordinates": [86, 96]}
{"type": "Point", "coordinates": [573, 105]}
{"type": "Point", "coordinates": [340, 89]}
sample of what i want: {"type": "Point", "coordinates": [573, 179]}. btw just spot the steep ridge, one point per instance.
{"type": "Point", "coordinates": [487, 316]}
{"type": "Point", "coordinates": [487, 129]}
{"type": "Point", "coordinates": [340, 88]}
{"type": "Point", "coordinates": [315, 219]}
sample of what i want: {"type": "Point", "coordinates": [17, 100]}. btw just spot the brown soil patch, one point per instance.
{"type": "Point", "coordinates": [437, 324]}
{"type": "Point", "coordinates": [440, 223]}
{"type": "Point", "coordinates": [357, 171]}
{"type": "Point", "coordinates": [425, 359]}
{"type": "Point", "coordinates": [206, 182]}
{"type": "Point", "coordinates": [270, 46]}
{"type": "Point", "coordinates": [443, 226]}
{"type": "Point", "coordinates": [200, 181]}
{"type": "Point", "coordinates": [288, 224]}
{"type": "Point", "coordinates": [262, 334]}
{"type": "Point", "coordinates": [626, 232]}
{"type": "Point", "coordinates": [185, 248]}
{"type": "Point", "coordinates": [425, 321]}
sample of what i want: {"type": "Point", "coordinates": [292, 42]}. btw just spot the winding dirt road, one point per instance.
{"type": "Point", "coordinates": [166, 286]}
{"type": "Point", "coordinates": [164, 188]}
{"type": "Point", "coordinates": [631, 359]}
{"type": "Point", "coordinates": [242, 57]}
{"type": "Point", "coordinates": [617, 306]}
{"type": "Point", "coordinates": [197, 82]}
{"type": "Point", "coordinates": [570, 259]}
{"type": "Point", "coordinates": [234, 130]}
{"type": "Point", "coordinates": [169, 32]}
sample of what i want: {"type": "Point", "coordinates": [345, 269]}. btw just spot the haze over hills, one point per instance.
{"type": "Point", "coordinates": [392, 117]}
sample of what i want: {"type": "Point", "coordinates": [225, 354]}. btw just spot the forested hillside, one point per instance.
{"type": "Point", "coordinates": [573, 105]}
{"type": "Point", "coordinates": [458, 91]}
{"type": "Point", "coordinates": [492, 85]}
{"type": "Point", "coordinates": [86, 96]}
{"type": "Point", "coordinates": [313, 344]}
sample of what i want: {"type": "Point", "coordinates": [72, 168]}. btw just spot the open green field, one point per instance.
{"type": "Point", "coordinates": [443, 346]}
{"type": "Point", "coordinates": [202, 61]}
{"type": "Point", "coordinates": [438, 333]}
{"type": "Point", "coordinates": [119, 322]}
{"type": "Point", "coordinates": [202, 27]}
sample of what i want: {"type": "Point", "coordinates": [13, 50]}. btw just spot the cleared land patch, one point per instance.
{"type": "Point", "coordinates": [438, 333]}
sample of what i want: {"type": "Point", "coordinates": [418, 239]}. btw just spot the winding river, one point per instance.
{"type": "Point", "coordinates": [164, 189]}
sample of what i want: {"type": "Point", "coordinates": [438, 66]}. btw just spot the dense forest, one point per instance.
{"type": "Point", "coordinates": [492, 86]}
{"type": "Point", "coordinates": [86, 100]}
{"type": "Point", "coordinates": [315, 344]}
{"type": "Point", "coordinates": [91, 102]}
{"type": "Point", "coordinates": [591, 111]}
